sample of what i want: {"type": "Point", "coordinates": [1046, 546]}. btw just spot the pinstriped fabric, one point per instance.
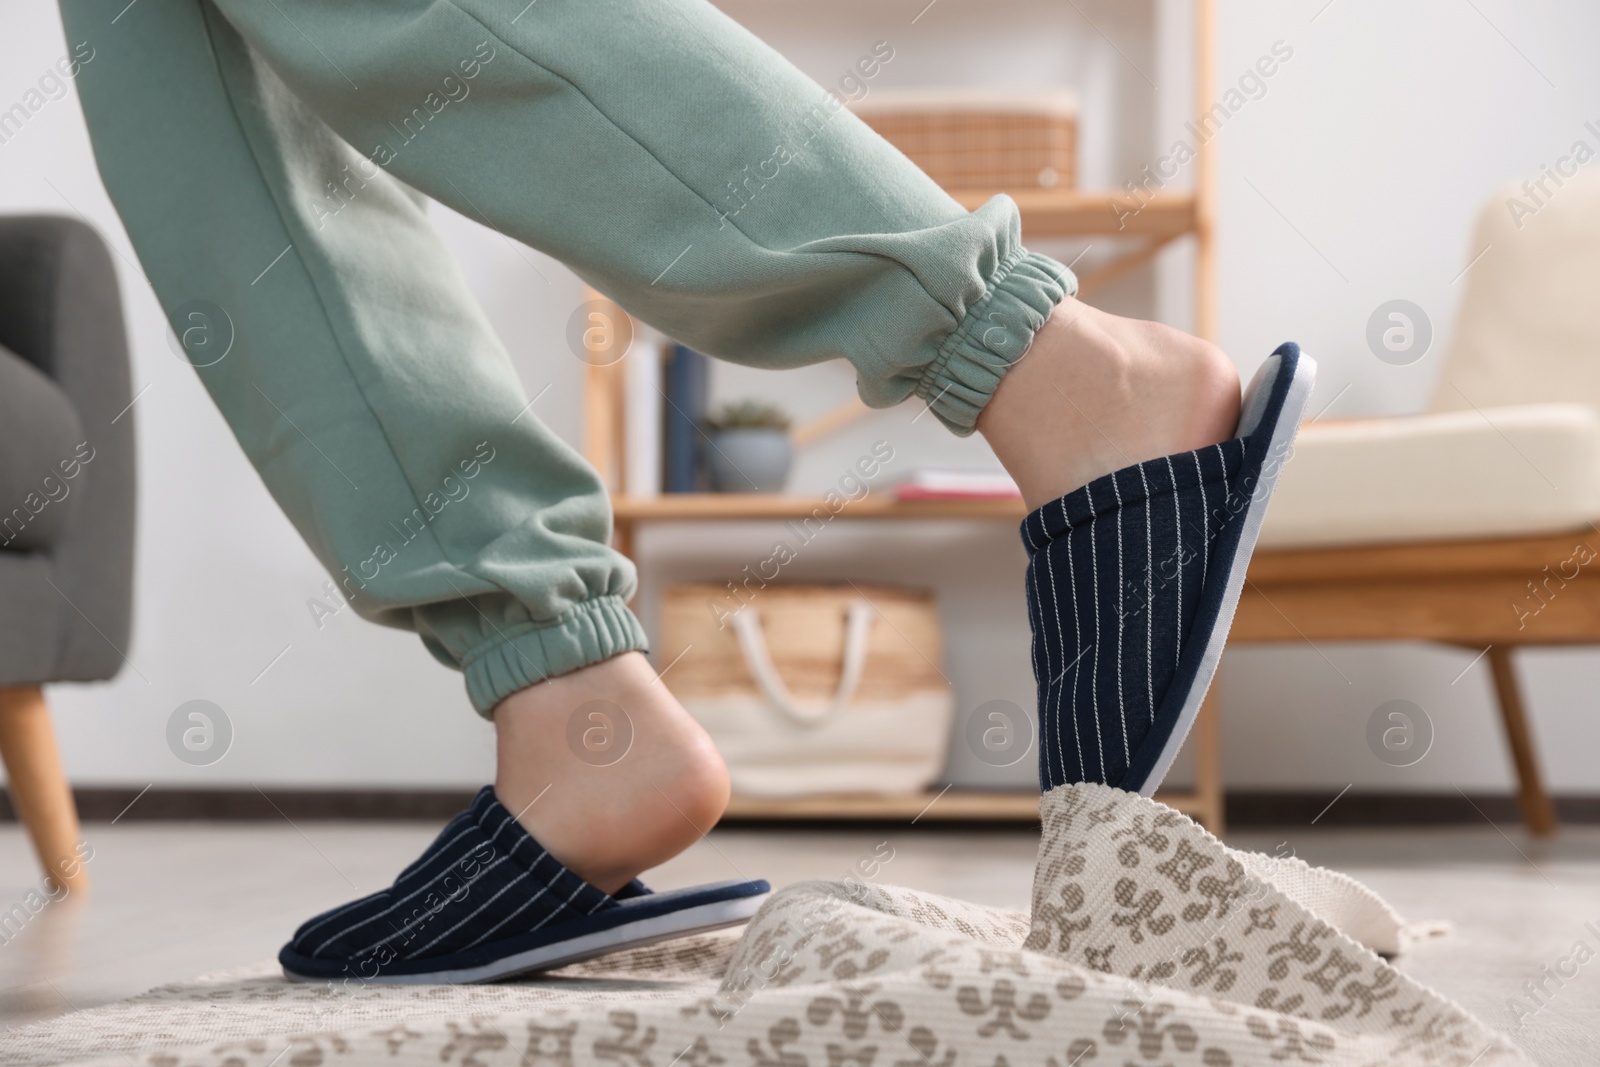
{"type": "Point", "coordinates": [1071, 674]}
{"type": "Point", "coordinates": [1050, 685]}
{"type": "Point", "coordinates": [1044, 650]}
{"type": "Point", "coordinates": [1035, 620]}
{"type": "Point", "coordinates": [1149, 597]}
{"type": "Point", "coordinates": [1205, 544]}
{"type": "Point", "coordinates": [1094, 634]}
{"type": "Point", "coordinates": [1066, 666]}
{"type": "Point", "coordinates": [1122, 706]}
{"type": "Point", "coordinates": [483, 877]}
{"type": "Point", "coordinates": [1124, 558]}
{"type": "Point", "coordinates": [1223, 461]}
{"type": "Point", "coordinates": [1177, 521]}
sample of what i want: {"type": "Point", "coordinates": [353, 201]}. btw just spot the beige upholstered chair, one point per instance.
{"type": "Point", "coordinates": [1471, 524]}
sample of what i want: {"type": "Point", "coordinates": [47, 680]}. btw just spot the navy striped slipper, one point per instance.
{"type": "Point", "coordinates": [1132, 584]}
{"type": "Point", "coordinates": [486, 902]}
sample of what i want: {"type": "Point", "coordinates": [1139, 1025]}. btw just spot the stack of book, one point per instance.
{"type": "Point", "coordinates": [666, 400]}
{"type": "Point", "coordinates": [685, 393]}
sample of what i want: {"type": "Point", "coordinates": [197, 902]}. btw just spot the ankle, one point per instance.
{"type": "Point", "coordinates": [607, 770]}
{"type": "Point", "coordinates": [1097, 392]}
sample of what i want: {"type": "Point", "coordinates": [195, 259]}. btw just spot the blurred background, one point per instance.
{"type": "Point", "coordinates": [1351, 179]}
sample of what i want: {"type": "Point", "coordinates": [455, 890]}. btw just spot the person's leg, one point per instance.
{"type": "Point", "coordinates": [722, 196]}
{"type": "Point", "coordinates": [683, 168]}
{"type": "Point", "coordinates": [781, 232]}
{"type": "Point", "coordinates": [1098, 392]}
{"type": "Point", "coordinates": [738, 207]}
{"type": "Point", "coordinates": [675, 162]}
{"type": "Point", "coordinates": [343, 347]}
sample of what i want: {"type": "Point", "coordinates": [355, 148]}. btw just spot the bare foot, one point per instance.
{"type": "Point", "coordinates": [607, 770]}
{"type": "Point", "coordinates": [1097, 392]}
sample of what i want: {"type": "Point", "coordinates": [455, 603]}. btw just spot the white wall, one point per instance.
{"type": "Point", "coordinates": [1379, 142]}
{"type": "Point", "coordinates": [1376, 142]}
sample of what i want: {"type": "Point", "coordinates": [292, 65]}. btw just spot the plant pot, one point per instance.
{"type": "Point", "coordinates": [749, 460]}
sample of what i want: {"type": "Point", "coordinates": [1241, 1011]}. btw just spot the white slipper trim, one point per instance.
{"type": "Point", "coordinates": [705, 917]}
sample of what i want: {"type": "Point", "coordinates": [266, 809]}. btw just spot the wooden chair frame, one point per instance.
{"type": "Point", "coordinates": [1490, 596]}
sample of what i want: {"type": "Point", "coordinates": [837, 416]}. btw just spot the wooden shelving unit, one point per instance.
{"type": "Point", "coordinates": [948, 806]}
{"type": "Point", "coordinates": [1082, 213]}
{"type": "Point", "coordinates": [1164, 217]}
{"type": "Point", "coordinates": [689, 506]}
{"type": "Point", "coordinates": [954, 805]}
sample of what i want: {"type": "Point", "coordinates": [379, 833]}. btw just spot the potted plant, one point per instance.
{"type": "Point", "coordinates": [750, 450]}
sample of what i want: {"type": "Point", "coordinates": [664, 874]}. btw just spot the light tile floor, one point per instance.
{"type": "Point", "coordinates": [171, 901]}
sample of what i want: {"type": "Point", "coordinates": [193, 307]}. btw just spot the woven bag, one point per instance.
{"type": "Point", "coordinates": [813, 689]}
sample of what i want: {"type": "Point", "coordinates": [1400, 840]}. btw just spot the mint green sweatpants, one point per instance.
{"type": "Point", "coordinates": [270, 160]}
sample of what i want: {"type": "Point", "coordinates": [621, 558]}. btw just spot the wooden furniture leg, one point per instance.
{"type": "Point", "coordinates": [38, 787]}
{"type": "Point", "coordinates": [1538, 813]}
{"type": "Point", "coordinates": [622, 536]}
{"type": "Point", "coordinates": [1208, 763]}
{"type": "Point", "coordinates": [1205, 174]}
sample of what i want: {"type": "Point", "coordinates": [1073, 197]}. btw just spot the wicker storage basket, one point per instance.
{"type": "Point", "coordinates": [813, 688]}
{"type": "Point", "coordinates": [992, 140]}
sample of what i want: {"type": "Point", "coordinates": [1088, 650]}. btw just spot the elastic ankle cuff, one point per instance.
{"type": "Point", "coordinates": [525, 654]}
{"type": "Point", "coordinates": [992, 337]}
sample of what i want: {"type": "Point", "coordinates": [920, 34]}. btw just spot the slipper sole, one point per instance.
{"type": "Point", "coordinates": [633, 923]}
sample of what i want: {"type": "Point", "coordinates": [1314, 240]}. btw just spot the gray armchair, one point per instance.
{"type": "Point", "coordinates": [66, 503]}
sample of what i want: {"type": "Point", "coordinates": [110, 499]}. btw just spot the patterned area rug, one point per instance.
{"type": "Point", "coordinates": [1150, 942]}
